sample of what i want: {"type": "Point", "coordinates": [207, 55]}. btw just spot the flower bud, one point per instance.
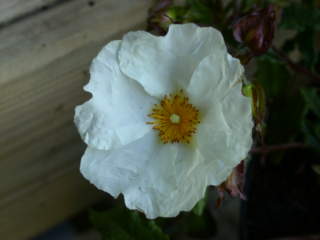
{"type": "Point", "coordinates": [233, 185]}
{"type": "Point", "coordinates": [158, 21]}
{"type": "Point", "coordinates": [256, 29]}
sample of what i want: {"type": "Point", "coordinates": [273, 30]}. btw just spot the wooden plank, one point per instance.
{"type": "Point", "coordinates": [43, 66]}
{"type": "Point", "coordinates": [53, 34]}
{"type": "Point", "coordinates": [13, 9]}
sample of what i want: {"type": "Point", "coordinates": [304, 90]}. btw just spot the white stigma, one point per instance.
{"type": "Point", "coordinates": [174, 118]}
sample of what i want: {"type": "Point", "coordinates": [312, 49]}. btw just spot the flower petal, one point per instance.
{"type": "Point", "coordinates": [165, 64]}
{"type": "Point", "coordinates": [225, 140]}
{"type": "Point", "coordinates": [219, 153]}
{"type": "Point", "coordinates": [212, 79]}
{"type": "Point", "coordinates": [224, 134]}
{"type": "Point", "coordinates": [158, 179]}
{"type": "Point", "coordinates": [237, 111]}
{"type": "Point", "coordinates": [104, 121]}
{"type": "Point", "coordinates": [191, 179]}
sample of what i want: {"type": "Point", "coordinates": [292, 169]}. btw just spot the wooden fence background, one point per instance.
{"type": "Point", "coordinates": [45, 50]}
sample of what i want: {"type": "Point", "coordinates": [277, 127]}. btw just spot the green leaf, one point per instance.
{"type": "Point", "coordinates": [273, 76]}
{"type": "Point", "coordinates": [248, 4]}
{"type": "Point", "coordinates": [280, 3]}
{"type": "Point", "coordinates": [122, 224]}
{"type": "Point", "coordinates": [195, 226]}
{"type": "Point", "coordinates": [177, 13]}
{"type": "Point", "coordinates": [306, 43]}
{"type": "Point", "coordinates": [316, 168]}
{"type": "Point", "coordinates": [305, 19]}
{"type": "Point", "coordinates": [199, 12]}
{"type": "Point", "coordinates": [270, 56]}
{"type": "Point", "coordinates": [258, 102]}
{"type": "Point", "coordinates": [312, 100]}
{"type": "Point", "coordinates": [289, 45]}
{"type": "Point", "coordinates": [311, 123]}
{"type": "Point", "coordinates": [284, 102]}
{"type": "Point", "coordinates": [199, 226]}
{"type": "Point", "coordinates": [200, 206]}
{"type": "Point", "coordinates": [300, 17]}
{"type": "Point", "coordinates": [312, 133]}
{"type": "Point", "coordinates": [247, 90]}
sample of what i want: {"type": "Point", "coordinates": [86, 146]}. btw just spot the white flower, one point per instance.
{"type": "Point", "coordinates": [166, 118]}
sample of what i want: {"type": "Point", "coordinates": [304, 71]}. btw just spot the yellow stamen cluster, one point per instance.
{"type": "Point", "coordinates": [175, 118]}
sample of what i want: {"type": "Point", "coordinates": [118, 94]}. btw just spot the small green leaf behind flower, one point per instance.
{"type": "Point", "coordinates": [193, 11]}
{"type": "Point", "coordinates": [123, 224]}
{"type": "Point", "coordinates": [200, 206]}
{"type": "Point", "coordinates": [177, 14]}
{"type": "Point", "coordinates": [258, 103]}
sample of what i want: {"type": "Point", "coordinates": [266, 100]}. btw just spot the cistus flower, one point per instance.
{"type": "Point", "coordinates": [166, 119]}
{"type": "Point", "coordinates": [256, 29]}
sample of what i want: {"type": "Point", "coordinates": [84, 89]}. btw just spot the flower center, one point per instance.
{"type": "Point", "coordinates": [175, 118]}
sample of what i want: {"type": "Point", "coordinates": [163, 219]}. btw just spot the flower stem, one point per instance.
{"type": "Point", "coordinates": [274, 148]}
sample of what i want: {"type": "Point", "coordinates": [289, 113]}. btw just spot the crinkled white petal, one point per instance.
{"type": "Point", "coordinates": [219, 149]}
{"type": "Point", "coordinates": [237, 111]}
{"type": "Point", "coordinates": [117, 112]}
{"type": "Point", "coordinates": [224, 138]}
{"type": "Point", "coordinates": [165, 64]}
{"type": "Point", "coordinates": [213, 78]}
{"type": "Point", "coordinates": [158, 179]}
{"type": "Point", "coordinates": [224, 134]}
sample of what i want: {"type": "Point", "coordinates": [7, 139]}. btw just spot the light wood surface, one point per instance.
{"type": "Point", "coordinates": [13, 9]}
{"type": "Point", "coordinates": [44, 61]}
